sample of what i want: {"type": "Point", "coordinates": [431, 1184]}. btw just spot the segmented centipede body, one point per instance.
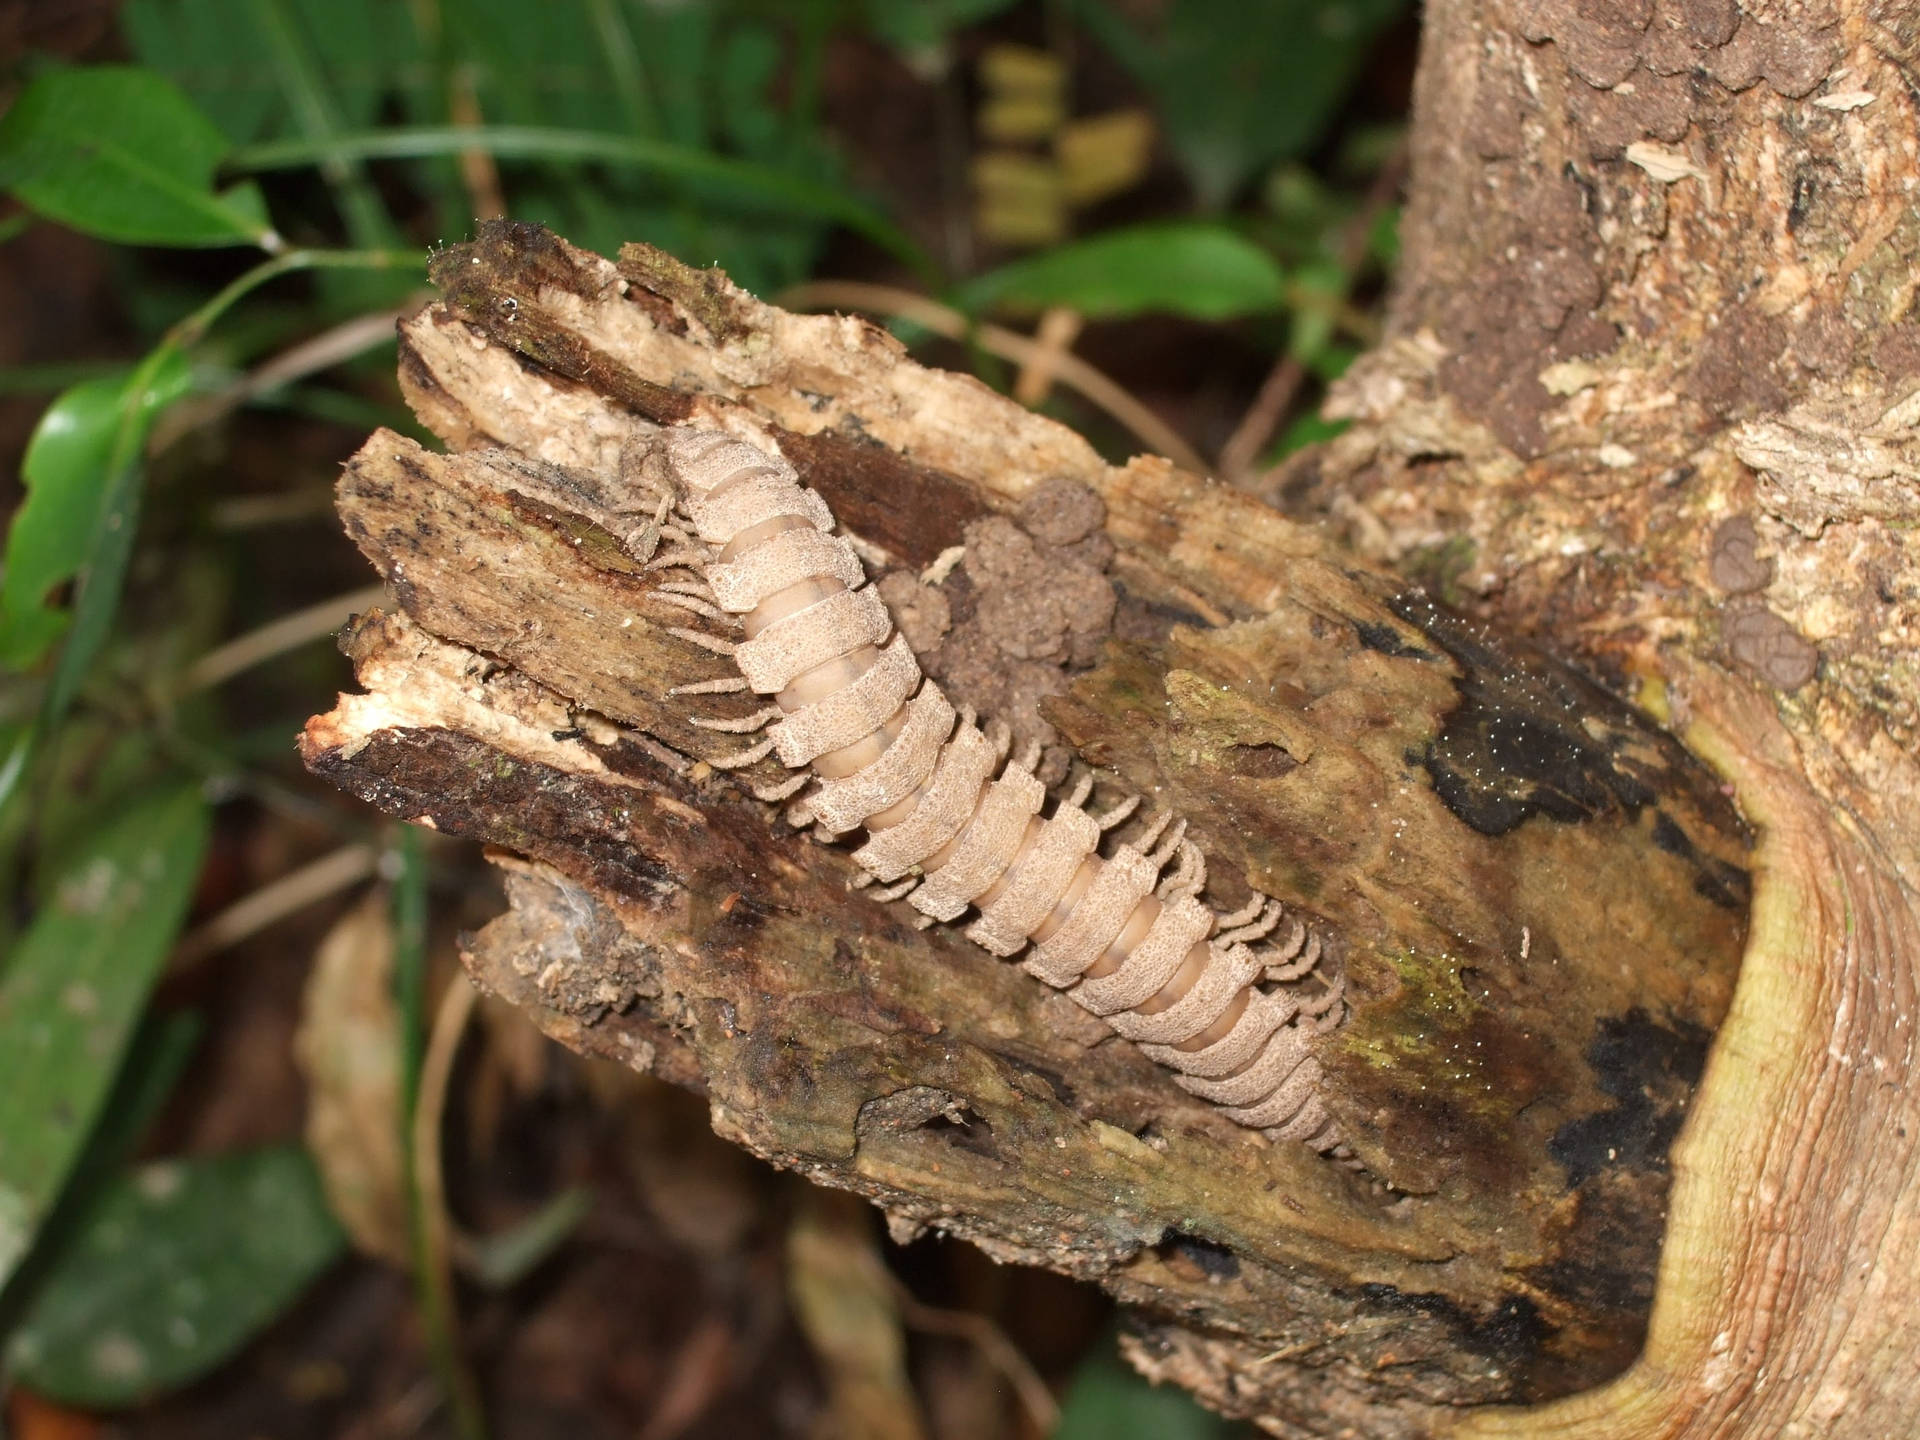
{"type": "Point", "coordinates": [955, 824]}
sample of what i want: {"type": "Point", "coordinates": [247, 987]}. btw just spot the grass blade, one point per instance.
{"type": "Point", "coordinates": [533, 142]}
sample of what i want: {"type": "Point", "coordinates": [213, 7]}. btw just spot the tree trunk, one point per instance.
{"type": "Point", "coordinates": [1651, 394]}
{"type": "Point", "coordinates": [1538, 900]}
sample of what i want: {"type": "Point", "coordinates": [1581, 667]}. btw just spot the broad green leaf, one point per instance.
{"type": "Point", "coordinates": [211, 53]}
{"type": "Point", "coordinates": [1108, 1401]}
{"type": "Point", "coordinates": [1185, 268]}
{"type": "Point", "coordinates": [73, 991]}
{"type": "Point", "coordinates": [1239, 86]}
{"type": "Point", "coordinates": [156, 1059]}
{"type": "Point", "coordinates": [122, 153]}
{"type": "Point", "coordinates": [174, 1267]}
{"type": "Point", "coordinates": [66, 475]}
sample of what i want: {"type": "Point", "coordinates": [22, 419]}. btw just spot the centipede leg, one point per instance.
{"type": "Point", "coordinates": [775, 793]}
{"type": "Point", "coordinates": [1309, 956]}
{"type": "Point", "coordinates": [1118, 814]}
{"type": "Point", "coordinates": [745, 725]}
{"type": "Point", "coordinates": [705, 641]}
{"type": "Point", "coordinates": [743, 758]}
{"type": "Point", "coordinates": [1000, 736]}
{"type": "Point", "coordinates": [1243, 927]}
{"type": "Point", "coordinates": [1168, 847]}
{"type": "Point", "coordinates": [1328, 1004]}
{"type": "Point", "coordinates": [1244, 914]}
{"type": "Point", "coordinates": [1189, 878]}
{"type": "Point", "coordinates": [681, 559]}
{"type": "Point", "coordinates": [698, 606]}
{"type": "Point", "coordinates": [1155, 827]}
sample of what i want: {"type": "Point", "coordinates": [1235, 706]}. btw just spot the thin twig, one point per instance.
{"type": "Point", "coordinates": [994, 1347]}
{"type": "Point", "coordinates": [343, 342]}
{"type": "Point", "coordinates": [1263, 417]}
{"type": "Point", "coordinates": [238, 513]}
{"type": "Point", "coordinates": [943, 320]}
{"type": "Point", "coordinates": [271, 903]}
{"type": "Point", "coordinates": [1283, 382]}
{"type": "Point", "coordinates": [434, 1248]}
{"type": "Point", "coordinates": [1059, 327]}
{"type": "Point", "coordinates": [289, 632]}
{"type": "Point", "coordinates": [697, 1372]}
{"type": "Point", "coordinates": [479, 171]}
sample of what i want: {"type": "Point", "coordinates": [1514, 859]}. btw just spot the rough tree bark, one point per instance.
{"type": "Point", "coordinates": [1651, 392]}
{"type": "Point", "coordinates": [1538, 899]}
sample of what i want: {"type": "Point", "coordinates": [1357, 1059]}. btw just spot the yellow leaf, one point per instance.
{"type": "Point", "coordinates": [1103, 155]}
{"type": "Point", "coordinates": [1018, 199]}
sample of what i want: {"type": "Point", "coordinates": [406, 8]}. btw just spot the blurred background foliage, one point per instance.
{"type": "Point", "coordinates": [267, 1166]}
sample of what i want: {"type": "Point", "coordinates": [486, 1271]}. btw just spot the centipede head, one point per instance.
{"type": "Point", "coordinates": [701, 459]}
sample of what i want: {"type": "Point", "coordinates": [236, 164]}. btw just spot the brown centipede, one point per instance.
{"type": "Point", "coordinates": [956, 824]}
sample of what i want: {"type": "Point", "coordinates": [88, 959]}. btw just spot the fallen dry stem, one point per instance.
{"type": "Point", "coordinates": [994, 1347]}
{"type": "Point", "coordinates": [1067, 368]}
{"type": "Point", "coordinates": [274, 902]}
{"type": "Point", "coordinates": [289, 632]}
{"type": "Point", "coordinates": [1283, 382]}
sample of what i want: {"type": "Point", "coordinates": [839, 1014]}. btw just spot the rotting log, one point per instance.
{"type": "Point", "coordinates": [1538, 898]}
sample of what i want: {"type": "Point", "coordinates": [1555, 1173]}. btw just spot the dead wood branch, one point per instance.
{"type": "Point", "coordinates": [1538, 899]}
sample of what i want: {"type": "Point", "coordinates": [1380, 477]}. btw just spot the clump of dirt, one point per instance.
{"type": "Point", "coordinates": [1736, 564]}
{"type": "Point", "coordinates": [1028, 604]}
{"type": "Point", "coordinates": [1770, 647]}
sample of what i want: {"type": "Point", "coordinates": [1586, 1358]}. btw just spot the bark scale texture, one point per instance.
{"type": "Point", "coordinates": [1538, 899]}
{"type": "Point", "coordinates": [1651, 391]}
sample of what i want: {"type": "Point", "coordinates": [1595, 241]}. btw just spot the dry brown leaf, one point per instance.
{"type": "Point", "coordinates": [348, 1047]}
{"type": "Point", "coordinates": [845, 1304]}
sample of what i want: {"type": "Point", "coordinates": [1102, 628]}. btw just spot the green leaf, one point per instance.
{"type": "Point", "coordinates": [1383, 240]}
{"type": "Point", "coordinates": [1319, 289]}
{"type": "Point", "coordinates": [212, 50]}
{"type": "Point", "coordinates": [175, 1267]}
{"type": "Point", "coordinates": [1108, 1401]}
{"type": "Point", "coordinates": [73, 991]}
{"type": "Point", "coordinates": [1185, 268]}
{"type": "Point", "coordinates": [1302, 431]}
{"type": "Point", "coordinates": [122, 153]}
{"type": "Point", "coordinates": [1239, 86]}
{"type": "Point", "coordinates": [763, 190]}
{"type": "Point", "coordinates": [502, 1261]}
{"type": "Point", "coordinates": [66, 474]}
{"type": "Point", "coordinates": [156, 1059]}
